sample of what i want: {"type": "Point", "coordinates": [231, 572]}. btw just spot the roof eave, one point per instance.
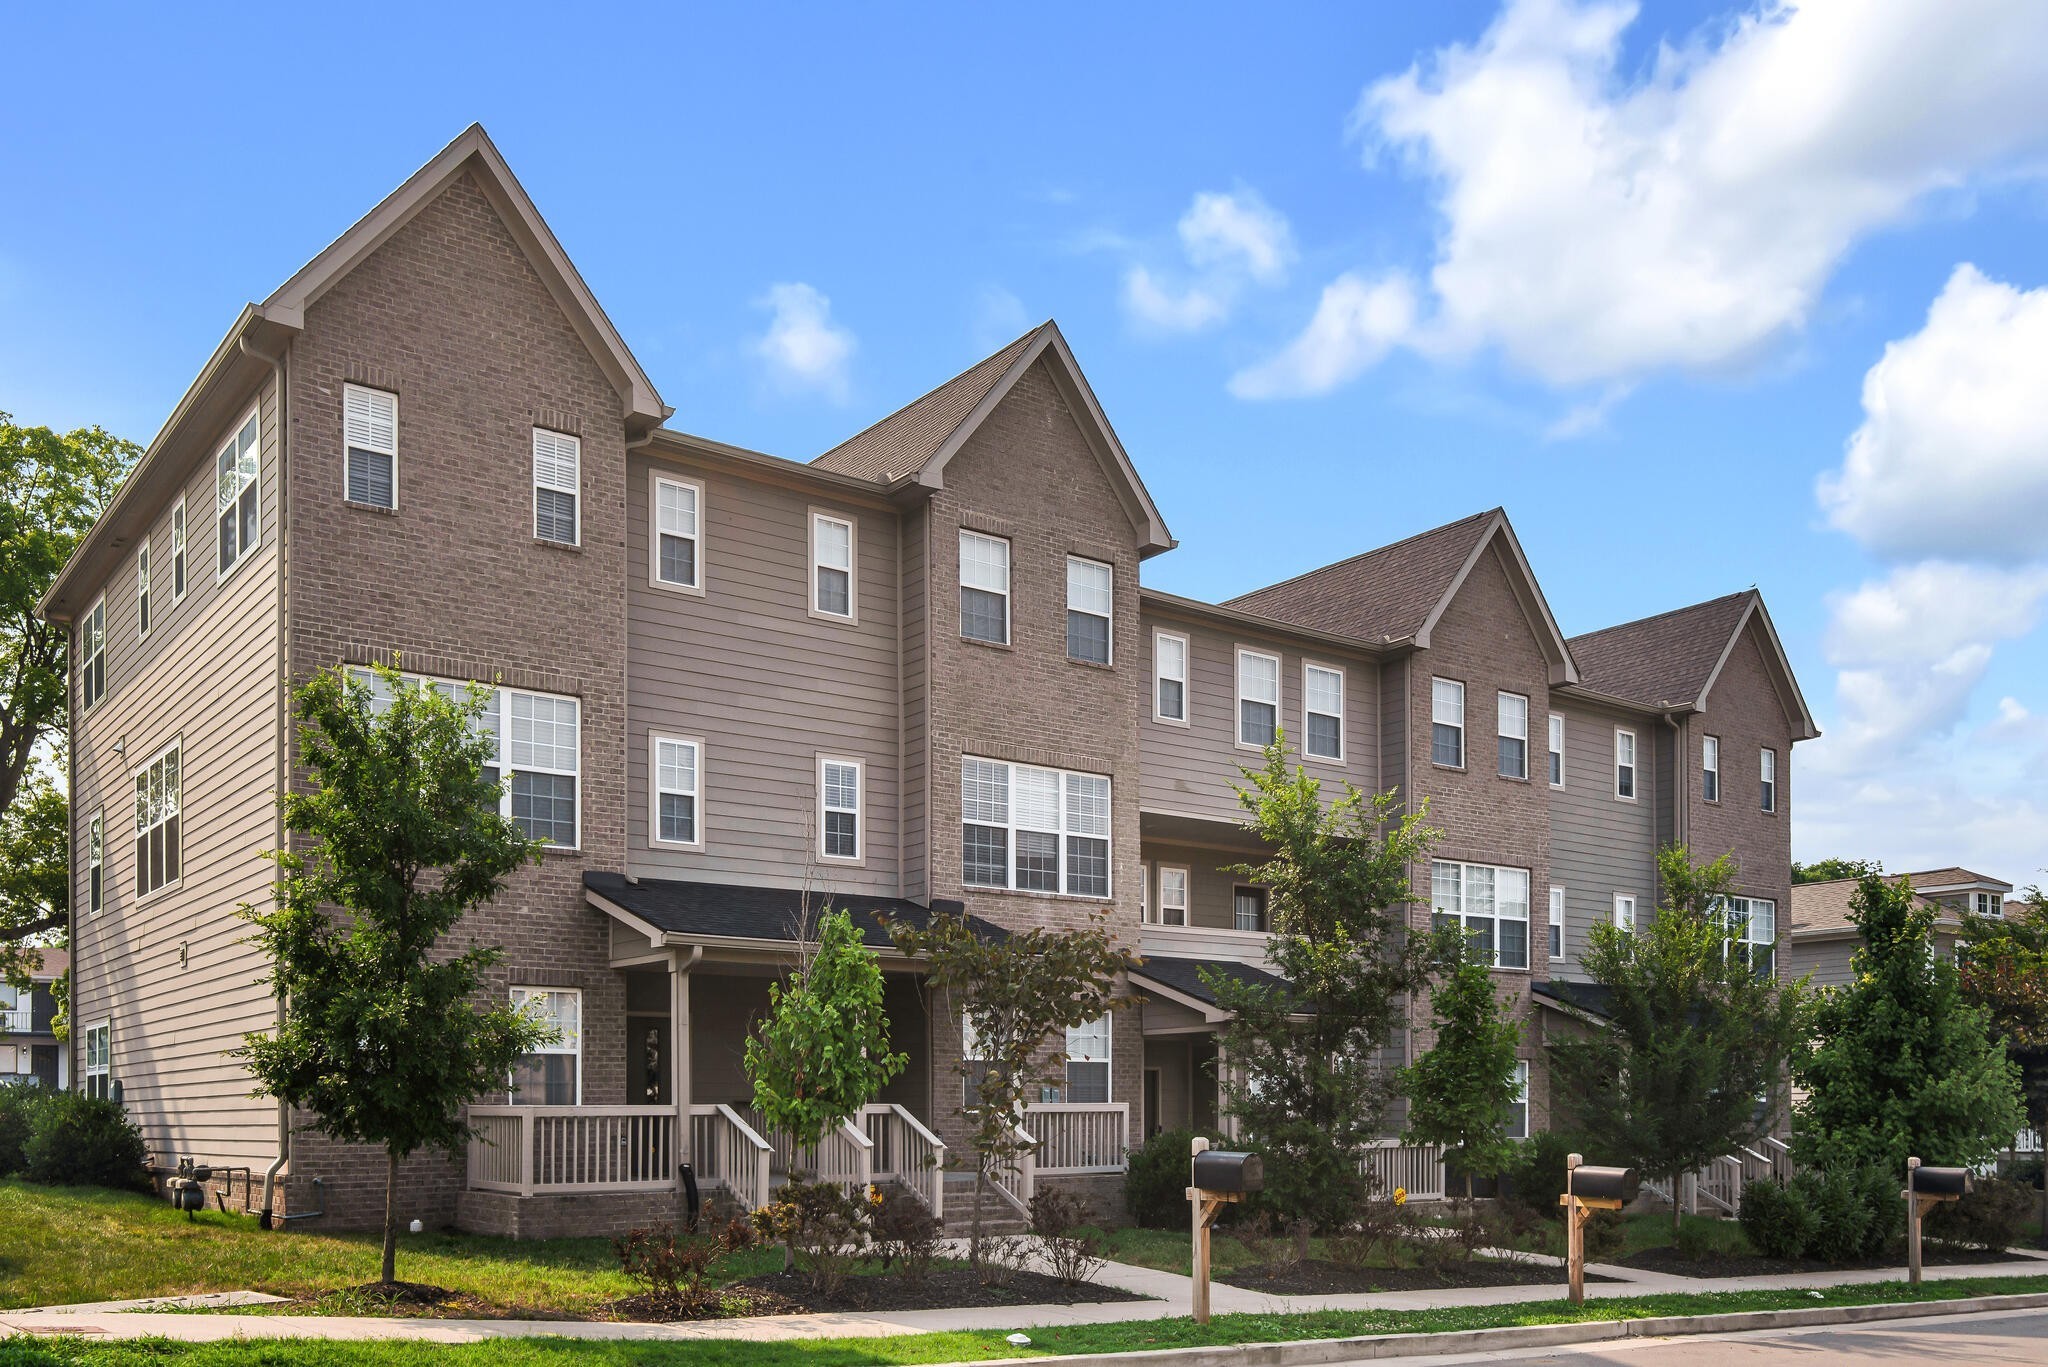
{"type": "Point", "coordinates": [1160, 600]}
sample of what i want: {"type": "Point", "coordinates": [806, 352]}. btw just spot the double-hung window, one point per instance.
{"type": "Point", "coordinates": [92, 655]}
{"type": "Point", "coordinates": [1710, 768]}
{"type": "Point", "coordinates": [1752, 926]}
{"type": "Point", "coordinates": [984, 588]}
{"type": "Point", "coordinates": [1513, 711]}
{"type": "Point", "coordinates": [1556, 750]}
{"type": "Point", "coordinates": [1447, 723]}
{"type": "Point", "coordinates": [142, 590]}
{"type": "Point", "coordinates": [1518, 1114]}
{"type": "Point", "coordinates": [1251, 909]}
{"type": "Point", "coordinates": [178, 550]}
{"type": "Point", "coordinates": [157, 792]}
{"type": "Point", "coordinates": [1625, 911]}
{"type": "Point", "coordinates": [552, 1075]}
{"type": "Point", "coordinates": [678, 515]}
{"type": "Point", "coordinates": [676, 765]}
{"type": "Point", "coordinates": [1091, 602]}
{"type": "Point", "coordinates": [839, 808]}
{"type": "Point", "coordinates": [95, 863]}
{"type": "Point", "coordinates": [237, 517]}
{"type": "Point", "coordinates": [369, 424]}
{"type": "Point", "coordinates": [1258, 698]}
{"type": "Point", "coordinates": [1770, 780]}
{"type": "Point", "coordinates": [543, 750]}
{"type": "Point", "coordinates": [832, 546]}
{"type": "Point", "coordinates": [99, 1059]}
{"type": "Point", "coordinates": [1169, 677]}
{"type": "Point", "coordinates": [1624, 763]}
{"type": "Point", "coordinates": [1173, 895]}
{"type": "Point", "coordinates": [1088, 1061]}
{"type": "Point", "coordinates": [1556, 924]}
{"type": "Point", "coordinates": [1987, 904]}
{"type": "Point", "coordinates": [1033, 829]}
{"type": "Point", "coordinates": [557, 486]}
{"type": "Point", "coordinates": [1322, 707]}
{"type": "Point", "coordinates": [1490, 903]}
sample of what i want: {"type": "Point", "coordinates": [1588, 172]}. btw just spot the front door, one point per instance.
{"type": "Point", "coordinates": [647, 1061]}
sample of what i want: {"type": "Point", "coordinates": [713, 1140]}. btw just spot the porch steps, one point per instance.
{"type": "Point", "coordinates": [997, 1215]}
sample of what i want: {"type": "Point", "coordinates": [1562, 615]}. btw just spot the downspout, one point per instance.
{"type": "Point", "coordinates": [639, 443]}
{"type": "Point", "coordinates": [1679, 793]}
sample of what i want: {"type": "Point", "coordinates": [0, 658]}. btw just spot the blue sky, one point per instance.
{"type": "Point", "coordinates": [1338, 273]}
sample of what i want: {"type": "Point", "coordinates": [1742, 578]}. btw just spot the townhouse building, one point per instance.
{"type": "Point", "coordinates": [30, 1054]}
{"type": "Point", "coordinates": [919, 671]}
{"type": "Point", "coordinates": [1821, 941]}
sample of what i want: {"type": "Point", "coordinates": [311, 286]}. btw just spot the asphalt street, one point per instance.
{"type": "Point", "coordinates": [2014, 1336]}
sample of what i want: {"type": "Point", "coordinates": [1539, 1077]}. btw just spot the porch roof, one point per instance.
{"type": "Point", "coordinates": [729, 912]}
{"type": "Point", "coordinates": [1592, 998]}
{"type": "Point", "coordinates": [1183, 976]}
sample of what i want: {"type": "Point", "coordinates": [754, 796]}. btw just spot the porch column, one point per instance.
{"type": "Point", "coordinates": [680, 962]}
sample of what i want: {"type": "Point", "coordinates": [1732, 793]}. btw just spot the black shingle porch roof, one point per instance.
{"type": "Point", "coordinates": [727, 911]}
{"type": "Point", "coordinates": [1184, 975]}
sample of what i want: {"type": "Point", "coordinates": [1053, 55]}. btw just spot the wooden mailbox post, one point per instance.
{"type": "Point", "coordinates": [1585, 1191]}
{"type": "Point", "coordinates": [1216, 1180]}
{"type": "Point", "coordinates": [1925, 1189]}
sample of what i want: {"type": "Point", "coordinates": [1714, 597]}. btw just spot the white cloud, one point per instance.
{"type": "Point", "coordinates": [1157, 306]}
{"type": "Point", "coordinates": [1952, 456]}
{"type": "Point", "coordinates": [1601, 224]}
{"type": "Point", "coordinates": [999, 318]}
{"type": "Point", "coordinates": [1220, 229]}
{"type": "Point", "coordinates": [803, 348]}
{"type": "Point", "coordinates": [1356, 323]}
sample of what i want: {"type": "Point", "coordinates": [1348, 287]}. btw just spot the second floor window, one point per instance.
{"type": "Point", "coordinates": [369, 423]}
{"type": "Point", "coordinates": [178, 577]}
{"type": "Point", "coordinates": [1447, 723]}
{"type": "Point", "coordinates": [1752, 928]}
{"type": "Point", "coordinates": [1770, 777]}
{"type": "Point", "coordinates": [1513, 711]}
{"type": "Point", "coordinates": [678, 780]}
{"type": "Point", "coordinates": [984, 588]}
{"type": "Point", "coordinates": [1491, 904]}
{"type": "Point", "coordinates": [1557, 923]}
{"type": "Point", "coordinates": [1251, 909]}
{"type": "Point", "coordinates": [552, 1074]}
{"type": "Point", "coordinates": [557, 475]}
{"type": "Point", "coordinates": [1170, 676]}
{"type": "Point", "coordinates": [1258, 698]}
{"type": "Point", "coordinates": [158, 793]}
{"type": "Point", "coordinates": [1710, 768]}
{"type": "Point", "coordinates": [95, 861]}
{"type": "Point", "coordinates": [1088, 1061]}
{"type": "Point", "coordinates": [1624, 764]}
{"type": "Point", "coordinates": [1173, 895]}
{"type": "Point", "coordinates": [1033, 829]}
{"type": "Point", "coordinates": [1322, 703]}
{"type": "Point", "coordinates": [236, 500]}
{"type": "Point", "coordinates": [839, 803]}
{"type": "Point", "coordinates": [92, 655]}
{"type": "Point", "coordinates": [678, 505]}
{"type": "Point", "coordinates": [832, 566]}
{"type": "Point", "coordinates": [142, 590]}
{"type": "Point", "coordinates": [1090, 602]}
{"type": "Point", "coordinates": [542, 748]}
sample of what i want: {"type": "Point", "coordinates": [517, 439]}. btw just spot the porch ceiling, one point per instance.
{"type": "Point", "coordinates": [725, 914]}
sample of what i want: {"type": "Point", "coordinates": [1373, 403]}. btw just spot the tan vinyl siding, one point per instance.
{"type": "Point", "coordinates": [1212, 901]}
{"type": "Point", "coordinates": [765, 685]}
{"type": "Point", "coordinates": [1599, 845]}
{"type": "Point", "coordinates": [173, 972]}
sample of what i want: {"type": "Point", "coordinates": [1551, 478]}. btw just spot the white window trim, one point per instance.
{"type": "Point", "coordinates": [1108, 619]}
{"type": "Point", "coordinates": [1187, 658]}
{"type": "Point", "coordinates": [1521, 1098]}
{"type": "Point", "coordinates": [96, 859]}
{"type": "Point", "coordinates": [1107, 1060]}
{"type": "Point", "coordinates": [860, 814]}
{"type": "Point", "coordinates": [1010, 826]}
{"type": "Point", "coordinates": [243, 550]}
{"type": "Point", "coordinates": [1343, 701]}
{"type": "Point", "coordinates": [575, 992]}
{"type": "Point", "coordinates": [533, 457]}
{"type": "Point", "coordinates": [145, 590]}
{"type": "Point", "coordinates": [1724, 905]}
{"type": "Point", "coordinates": [1187, 897]}
{"type": "Point", "coordinates": [1526, 920]}
{"type": "Point", "coordinates": [1713, 742]}
{"type": "Point", "coordinates": [181, 537]}
{"type": "Point", "coordinates": [1009, 583]}
{"type": "Point", "coordinates": [135, 840]}
{"type": "Point", "coordinates": [655, 479]}
{"type": "Point", "coordinates": [1634, 766]}
{"type": "Point", "coordinates": [851, 617]}
{"type": "Point", "coordinates": [393, 452]}
{"type": "Point", "coordinates": [86, 657]}
{"type": "Point", "coordinates": [1464, 735]}
{"type": "Point", "coordinates": [1500, 697]}
{"type": "Point", "coordinates": [1767, 768]}
{"type": "Point", "coordinates": [1556, 720]}
{"type": "Point", "coordinates": [103, 1027]}
{"type": "Point", "coordinates": [1625, 921]}
{"type": "Point", "coordinates": [654, 791]}
{"type": "Point", "coordinates": [1556, 919]}
{"type": "Point", "coordinates": [1279, 691]}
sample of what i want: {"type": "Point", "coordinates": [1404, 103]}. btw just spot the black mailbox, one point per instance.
{"type": "Point", "coordinates": [1217, 1170]}
{"type": "Point", "coordinates": [1605, 1184]}
{"type": "Point", "coordinates": [1942, 1182]}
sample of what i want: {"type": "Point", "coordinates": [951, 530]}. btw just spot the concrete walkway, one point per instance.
{"type": "Point", "coordinates": [1171, 1291]}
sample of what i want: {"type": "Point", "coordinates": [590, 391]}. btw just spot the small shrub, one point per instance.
{"type": "Point", "coordinates": [1265, 1242]}
{"type": "Point", "coordinates": [1775, 1218]}
{"type": "Point", "coordinates": [75, 1140]}
{"type": "Point", "coordinates": [1994, 1217]}
{"type": "Point", "coordinates": [906, 1235]}
{"type": "Point", "coordinates": [1155, 1188]}
{"type": "Point", "coordinates": [1370, 1238]}
{"type": "Point", "coordinates": [1534, 1177]}
{"type": "Point", "coordinates": [1606, 1235]}
{"type": "Point", "coordinates": [825, 1228]}
{"type": "Point", "coordinates": [18, 1106]}
{"type": "Point", "coordinates": [1071, 1251]}
{"type": "Point", "coordinates": [1847, 1225]}
{"type": "Point", "coordinates": [1697, 1242]}
{"type": "Point", "coordinates": [676, 1271]}
{"type": "Point", "coordinates": [1003, 1257]}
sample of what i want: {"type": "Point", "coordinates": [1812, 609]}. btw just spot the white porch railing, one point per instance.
{"type": "Point", "coordinates": [845, 1156]}
{"type": "Point", "coordinates": [1719, 1184]}
{"type": "Point", "coordinates": [1417, 1169]}
{"type": "Point", "coordinates": [16, 1020]}
{"type": "Point", "coordinates": [907, 1153]}
{"type": "Point", "coordinates": [726, 1150]}
{"type": "Point", "coordinates": [1076, 1137]}
{"type": "Point", "coordinates": [564, 1149]}
{"type": "Point", "coordinates": [1017, 1181]}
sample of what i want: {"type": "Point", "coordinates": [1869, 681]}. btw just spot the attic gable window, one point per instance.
{"type": "Point", "coordinates": [557, 470]}
{"type": "Point", "coordinates": [237, 468]}
{"type": "Point", "coordinates": [369, 424]}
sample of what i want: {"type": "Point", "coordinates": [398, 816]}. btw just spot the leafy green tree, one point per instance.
{"type": "Point", "coordinates": [822, 1051]}
{"type": "Point", "coordinates": [1307, 1085]}
{"type": "Point", "coordinates": [1828, 870]}
{"type": "Point", "coordinates": [56, 484]}
{"type": "Point", "coordinates": [2003, 971]}
{"type": "Point", "coordinates": [1900, 1063]}
{"type": "Point", "coordinates": [381, 1038]}
{"type": "Point", "coordinates": [1692, 1039]}
{"type": "Point", "coordinates": [1461, 1093]}
{"type": "Point", "coordinates": [1016, 995]}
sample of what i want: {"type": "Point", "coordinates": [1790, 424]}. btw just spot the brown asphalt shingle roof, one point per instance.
{"type": "Point", "coordinates": [901, 444]}
{"type": "Point", "coordinates": [1825, 906]}
{"type": "Point", "coordinates": [1661, 660]}
{"type": "Point", "coordinates": [1384, 594]}
{"type": "Point", "coordinates": [1949, 877]}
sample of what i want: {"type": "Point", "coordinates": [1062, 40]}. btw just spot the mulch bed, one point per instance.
{"type": "Point", "coordinates": [1666, 1259]}
{"type": "Point", "coordinates": [1314, 1277]}
{"type": "Point", "coordinates": [943, 1288]}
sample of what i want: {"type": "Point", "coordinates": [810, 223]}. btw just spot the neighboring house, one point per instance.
{"type": "Point", "coordinates": [918, 671]}
{"type": "Point", "coordinates": [1823, 939]}
{"type": "Point", "coordinates": [29, 1049]}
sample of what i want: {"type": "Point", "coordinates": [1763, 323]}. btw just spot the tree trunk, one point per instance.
{"type": "Point", "coordinates": [1302, 1230]}
{"type": "Point", "coordinates": [974, 1227]}
{"type": "Point", "coordinates": [1677, 1209]}
{"type": "Point", "coordinates": [390, 1216]}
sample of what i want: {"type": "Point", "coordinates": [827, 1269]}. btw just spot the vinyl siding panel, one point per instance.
{"type": "Point", "coordinates": [1599, 844]}
{"type": "Point", "coordinates": [1212, 903]}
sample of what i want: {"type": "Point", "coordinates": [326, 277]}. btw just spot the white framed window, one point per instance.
{"type": "Point", "coordinates": [1173, 895]}
{"type": "Point", "coordinates": [1250, 905]}
{"type": "Point", "coordinates": [1556, 750]}
{"type": "Point", "coordinates": [1033, 829]}
{"type": "Point", "coordinates": [1088, 1061]}
{"type": "Point", "coordinates": [237, 468]}
{"type": "Point", "coordinates": [178, 558]}
{"type": "Point", "coordinates": [1625, 911]}
{"type": "Point", "coordinates": [1447, 723]}
{"type": "Point", "coordinates": [1258, 698]}
{"type": "Point", "coordinates": [675, 771]}
{"type": "Point", "coordinates": [1322, 712]}
{"type": "Point", "coordinates": [833, 543]}
{"type": "Point", "coordinates": [158, 789]}
{"type": "Point", "coordinates": [92, 655]}
{"type": "Point", "coordinates": [369, 428]}
{"type": "Point", "coordinates": [1556, 924]}
{"type": "Point", "coordinates": [557, 487]}
{"type": "Point", "coordinates": [1170, 677]}
{"type": "Point", "coordinates": [95, 864]}
{"type": "Point", "coordinates": [1710, 768]}
{"type": "Point", "coordinates": [984, 588]}
{"type": "Point", "coordinates": [142, 591]}
{"type": "Point", "coordinates": [1752, 931]}
{"type": "Point", "coordinates": [1770, 780]}
{"type": "Point", "coordinates": [675, 557]}
{"type": "Point", "coordinates": [839, 802]}
{"type": "Point", "coordinates": [973, 1065]}
{"type": "Point", "coordinates": [552, 1075]}
{"type": "Point", "coordinates": [1624, 764]}
{"type": "Point", "coordinates": [99, 1059]}
{"type": "Point", "coordinates": [1091, 603]}
{"type": "Point", "coordinates": [1512, 709]}
{"type": "Point", "coordinates": [1518, 1117]}
{"type": "Point", "coordinates": [1987, 904]}
{"type": "Point", "coordinates": [1490, 902]}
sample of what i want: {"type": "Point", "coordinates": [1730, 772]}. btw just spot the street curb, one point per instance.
{"type": "Point", "coordinates": [1312, 1352]}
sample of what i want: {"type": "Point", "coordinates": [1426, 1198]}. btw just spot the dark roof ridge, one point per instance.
{"type": "Point", "coordinates": [1668, 612]}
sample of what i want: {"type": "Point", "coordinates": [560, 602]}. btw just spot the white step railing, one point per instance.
{"type": "Point", "coordinates": [1417, 1169]}
{"type": "Point", "coordinates": [1017, 1181]}
{"type": "Point", "coordinates": [1719, 1184]}
{"type": "Point", "coordinates": [564, 1149]}
{"type": "Point", "coordinates": [844, 1156]}
{"type": "Point", "coordinates": [1076, 1137]}
{"type": "Point", "coordinates": [907, 1153]}
{"type": "Point", "coordinates": [726, 1151]}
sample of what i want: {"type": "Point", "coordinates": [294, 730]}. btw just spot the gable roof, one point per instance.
{"type": "Point", "coordinates": [1823, 908]}
{"type": "Point", "coordinates": [1955, 877]}
{"type": "Point", "coordinates": [914, 444]}
{"type": "Point", "coordinates": [1672, 660]}
{"type": "Point", "coordinates": [1399, 591]}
